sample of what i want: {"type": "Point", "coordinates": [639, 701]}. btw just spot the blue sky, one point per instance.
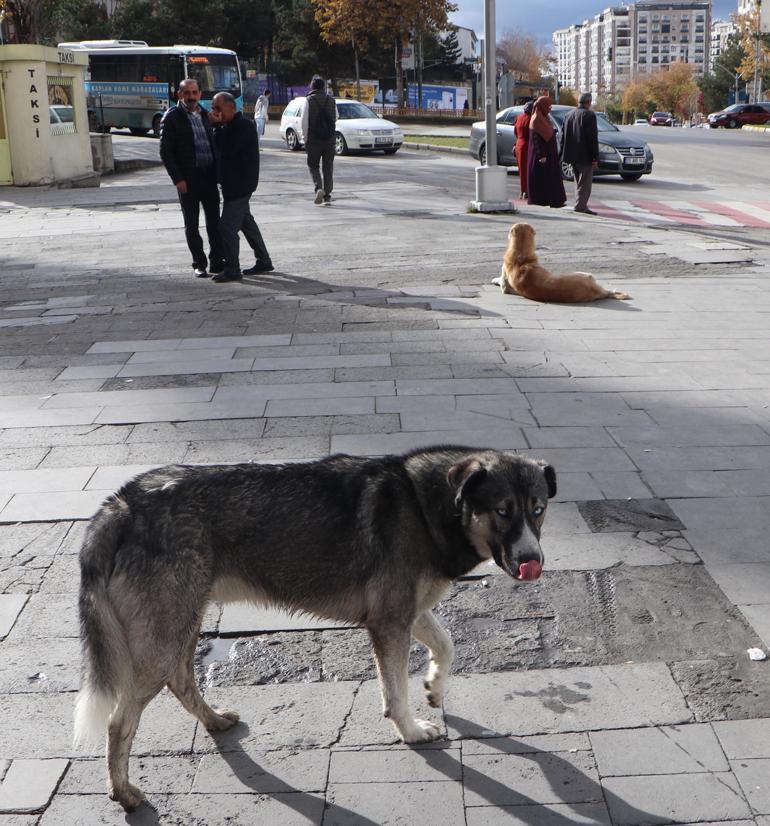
{"type": "Point", "coordinates": [541, 19]}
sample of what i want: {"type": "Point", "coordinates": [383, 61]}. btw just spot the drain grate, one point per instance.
{"type": "Point", "coordinates": [609, 515]}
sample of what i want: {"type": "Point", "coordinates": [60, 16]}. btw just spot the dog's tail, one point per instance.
{"type": "Point", "coordinates": [107, 671]}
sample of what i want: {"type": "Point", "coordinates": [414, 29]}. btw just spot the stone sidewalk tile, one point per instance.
{"type": "Point", "coordinates": [456, 387]}
{"type": "Point", "coordinates": [90, 371]}
{"type": "Point", "coordinates": [744, 583]}
{"type": "Point", "coordinates": [524, 779]}
{"type": "Point", "coordinates": [32, 507]}
{"type": "Point", "coordinates": [607, 384]}
{"type": "Point", "coordinates": [365, 726]}
{"type": "Point", "coordinates": [190, 411]}
{"type": "Point", "coordinates": [278, 449]}
{"type": "Point", "coordinates": [380, 444]}
{"type": "Point", "coordinates": [49, 418]}
{"type": "Point", "coordinates": [585, 459]}
{"type": "Point", "coordinates": [147, 454]}
{"type": "Point", "coordinates": [564, 519]}
{"type": "Point", "coordinates": [660, 750]}
{"type": "Point", "coordinates": [11, 606]}
{"type": "Point", "coordinates": [264, 772]}
{"type": "Point", "coordinates": [63, 575]}
{"type": "Point", "coordinates": [395, 766]}
{"type": "Point", "coordinates": [40, 666]}
{"type": "Point", "coordinates": [112, 477]}
{"type": "Point", "coordinates": [678, 798]}
{"type": "Point", "coordinates": [85, 434]}
{"type": "Point", "coordinates": [291, 350]}
{"type": "Point", "coordinates": [753, 775]}
{"type": "Point", "coordinates": [723, 514]}
{"type": "Point", "coordinates": [567, 742]}
{"type": "Point", "coordinates": [563, 437]}
{"type": "Point", "coordinates": [560, 814]}
{"type": "Point", "coordinates": [462, 420]}
{"type": "Point", "coordinates": [672, 484]}
{"type": "Point", "coordinates": [564, 699]}
{"type": "Point", "coordinates": [177, 356]}
{"type": "Point", "coordinates": [621, 485]}
{"type": "Point", "coordinates": [305, 390]}
{"type": "Point", "coordinates": [47, 616]}
{"type": "Point", "coordinates": [24, 402]}
{"type": "Point", "coordinates": [759, 618]}
{"type": "Point", "coordinates": [45, 480]}
{"type": "Point", "coordinates": [389, 804]}
{"type": "Point", "coordinates": [39, 725]}
{"type": "Point", "coordinates": [347, 406]}
{"type": "Point", "coordinates": [313, 362]}
{"type": "Point", "coordinates": [712, 436]}
{"type": "Point", "coordinates": [108, 398]}
{"type": "Point", "coordinates": [581, 409]}
{"type": "Point", "coordinates": [153, 775]}
{"type": "Point", "coordinates": [730, 457]}
{"type": "Point", "coordinates": [241, 618]}
{"type": "Point", "coordinates": [181, 367]}
{"type": "Point", "coordinates": [30, 784]}
{"type": "Point", "coordinates": [588, 552]}
{"type": "Point", "coordinates": [744, 739]}
{"type": "Point", "coordinates": [289, 716]}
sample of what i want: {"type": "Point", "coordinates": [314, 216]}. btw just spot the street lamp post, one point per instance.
{"type": "Point", "coordinates": [491, 179]}
{"type": "Point", "coordinates": [736, 75]}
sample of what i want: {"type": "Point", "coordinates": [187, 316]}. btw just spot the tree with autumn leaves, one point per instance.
{"type": "Point", "coordinates": [668, 90]}
{"type": "Point", "coordinates": [362, 24]}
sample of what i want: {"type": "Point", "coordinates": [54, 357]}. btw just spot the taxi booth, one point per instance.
{"type": "Point", "coordinates": [44, 136]}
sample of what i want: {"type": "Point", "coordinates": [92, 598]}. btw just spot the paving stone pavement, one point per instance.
{"type": "Point", "coordinates": [617, 690]}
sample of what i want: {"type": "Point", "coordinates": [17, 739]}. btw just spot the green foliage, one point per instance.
{"type": "Point", "coordinates": [717, 85]}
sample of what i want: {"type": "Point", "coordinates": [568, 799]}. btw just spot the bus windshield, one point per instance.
{"type": "Point", "coordinates": [214, 73]}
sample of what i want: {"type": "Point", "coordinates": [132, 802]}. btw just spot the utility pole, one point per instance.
{"type": "Point", "coordinates": [491, 179]}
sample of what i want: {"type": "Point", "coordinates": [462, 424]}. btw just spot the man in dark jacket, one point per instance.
{"type": "Point", "coordinates": [318, 128]}
{"type": "Point", "coordinates": [187, 151]}
{"type": "Point", "coordinates": [580, 147]}
{"type": "Point", "coordinates": [237, 146]}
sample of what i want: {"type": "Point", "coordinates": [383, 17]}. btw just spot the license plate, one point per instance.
{"type": "Point", "coordinates": [633, 162]}
{"type": "Point", "coordinates": [383, 140]}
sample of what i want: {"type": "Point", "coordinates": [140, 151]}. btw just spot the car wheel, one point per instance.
{"type": "Point", "coordinates": [139, 131]}
{"type": "Point", "coordinates": [292, 141]}
{"type": "Point", "coordinates": [567, 172]}
{"type": "Point", "coordinates": [156, 125]}
{"type": "Point", "coordinates": [390, 151]}
{"type": "Point", "coordinates": [733, 124]}
{"type": "Point", "coordinates": [631, 176]}
{"type": "Point", "coordinates": [340, 147]}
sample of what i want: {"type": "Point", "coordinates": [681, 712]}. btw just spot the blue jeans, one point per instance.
{"type": "Point", "coordinates": [260, 124]}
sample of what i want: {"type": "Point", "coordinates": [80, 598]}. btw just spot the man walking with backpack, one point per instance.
{"type": "Point", "coordinates": [318, 127]}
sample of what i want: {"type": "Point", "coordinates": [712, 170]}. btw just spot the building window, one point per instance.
{"type": "Point", "coordinates": [61, 106]}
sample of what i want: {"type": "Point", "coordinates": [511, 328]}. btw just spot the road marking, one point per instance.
{"type": "Point", "coordinates": [630, 208]}
{"type": "Point", "coordinates": [668, 210]}
{"type": "Point", "coordinates": [737, 210]}
{"type": "Point", "coordinates": [705, 214]}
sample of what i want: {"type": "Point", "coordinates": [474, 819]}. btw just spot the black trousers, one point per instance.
{"type": "Point", "coordinates": [237, 217]}
{"type": "Point", "coordinates": [321, 153]}
{"type": "Point", "coordinates": [202, 192]}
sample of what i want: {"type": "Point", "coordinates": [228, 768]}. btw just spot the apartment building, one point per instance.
{"type": "Point", "coordinates": [720, 34]}
{"type": "Point", "coordinates": [602, 54]}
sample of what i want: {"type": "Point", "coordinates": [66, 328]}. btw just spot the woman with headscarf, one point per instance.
{"type": "Point", "coordinates": [544, 183]}
{"type": "Point", "coordinates": [521, 128]}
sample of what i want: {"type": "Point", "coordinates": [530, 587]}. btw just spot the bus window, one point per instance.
{"type": "Point", "coordinates": [155, 68]}
{"type": "Point", "coordinates": [215, 73]}
{"type": "Point", "coordinates": [129, 69]}
{"type": "Point", "coordinates": [103, 68]}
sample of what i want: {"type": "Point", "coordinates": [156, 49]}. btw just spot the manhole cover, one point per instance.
{"type": "Point", "coordinates": [607, 515]}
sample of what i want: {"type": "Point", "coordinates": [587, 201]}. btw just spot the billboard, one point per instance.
{"type": "Point", "coordinates": [439, 97]}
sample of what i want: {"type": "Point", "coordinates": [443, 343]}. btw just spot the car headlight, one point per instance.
{"type": "Point", "coordinates": [363, 133]}
{"type": "Point", "coordinates": [607, 151]}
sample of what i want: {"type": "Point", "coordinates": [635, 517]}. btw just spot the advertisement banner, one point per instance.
{"type": "Point", "coordinates": [439, 97]}
{"type": "Point", "coordinates": [369, 90]}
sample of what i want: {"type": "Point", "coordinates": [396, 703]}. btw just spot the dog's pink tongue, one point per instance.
{"type": "Point", "coordinates": [530, 570]}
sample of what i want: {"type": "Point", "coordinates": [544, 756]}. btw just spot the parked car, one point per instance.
{"type": "Point", "coordinates": [61, 114]}
{"type": "Point", "coordinates": [620, 153]}
{"type": "Point", "coordinates": [661, 119]}
{"type": "Point", "coordinates": [641, 122]}
{"type": "Point", "coordinates": [359, 129]}
{"type": "Point", "coordinates": [739, 114]}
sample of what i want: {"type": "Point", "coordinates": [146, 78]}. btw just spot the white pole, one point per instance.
{"type": "Point", "coordinates": [490, 81]}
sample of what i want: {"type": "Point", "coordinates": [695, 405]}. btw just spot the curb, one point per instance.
{"type": "Point", "coordinates": [131, 164]}
{"type": "Point", "coordinates": [753, 128]}
{"type": "Point", "coordinates": [431, 147]}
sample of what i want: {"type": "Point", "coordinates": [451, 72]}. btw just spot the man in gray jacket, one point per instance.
{"type": "Point", "coordinates": [319, 118]}
{"type": "Point", "coordinates": [580, 147]}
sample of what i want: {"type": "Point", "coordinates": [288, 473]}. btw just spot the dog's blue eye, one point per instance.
{"type": "Point", "coordinates": [538, 511]}
{"type": "Point", "coordinates": [504, 512]}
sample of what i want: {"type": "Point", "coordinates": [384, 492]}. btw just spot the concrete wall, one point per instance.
{"type": "Point", "coordinates": [41, 152]}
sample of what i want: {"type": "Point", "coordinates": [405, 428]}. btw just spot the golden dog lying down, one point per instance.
{"type": "Point", "coordinates": [523, 274]}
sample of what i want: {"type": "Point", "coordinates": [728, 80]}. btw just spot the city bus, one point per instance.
{"type": "Point", "coordinates": [130, 84]}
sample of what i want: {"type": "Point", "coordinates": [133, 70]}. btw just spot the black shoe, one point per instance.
{"type": "Point", "coordinates": [327, 199]}
{"type": "Point", "coordinates": [200, 272]}
{"type": "Point", "coordinates": [226, 275]}
{"type": "Point", "coordinates": [216, 267]}
{"type": "Point", "coordinates": [319, 196]}
{"type": "Point", "coordinates": [260, 266]}
{"type": "Point", "coordinates": [585, 211]}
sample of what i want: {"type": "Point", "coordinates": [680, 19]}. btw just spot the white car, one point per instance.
{"type": "Point", "coordinates": [359, 129]}
{"type": "Point", "coordinates": [641, 122]}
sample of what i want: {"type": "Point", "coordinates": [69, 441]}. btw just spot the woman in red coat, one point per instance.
{"type": "Point", "coordinates": [521, 128]}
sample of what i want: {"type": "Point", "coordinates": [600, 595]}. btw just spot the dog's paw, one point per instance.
{"type": "Point", "coordinates": [434, 692]}
{"type": "Point", "coordinates": [130, 797]}
{"type": "Point", "coordinates": [498, 281]}
{"type": "Point", "coordinates": [224, 720]}
{"type": "Point", "coordinates": [420, 731]}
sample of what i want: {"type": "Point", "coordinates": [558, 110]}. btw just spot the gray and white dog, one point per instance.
{"type": "Point", "coordinates": [369, 541]}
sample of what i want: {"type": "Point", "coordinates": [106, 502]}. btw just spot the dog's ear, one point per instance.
{"type": "Point", "coordinates": [465, 476]}
{"type": "Point", "coordinates": [550, 480]}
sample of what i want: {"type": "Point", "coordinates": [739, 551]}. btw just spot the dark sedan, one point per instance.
{"type": "Point", "coordinates": [739, 114]}
{"type": "Point", "coordinates": [620, 153]}
{"type": "Point", "coordinates": [661, 119]}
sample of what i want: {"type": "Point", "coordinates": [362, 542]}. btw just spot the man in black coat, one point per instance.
{"type": "Point", "coordinates": [187, 151]}
{"type": "Point", "coordinates": [580, 147]}
{"type": "Point", "coordinates": [237, 147]}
